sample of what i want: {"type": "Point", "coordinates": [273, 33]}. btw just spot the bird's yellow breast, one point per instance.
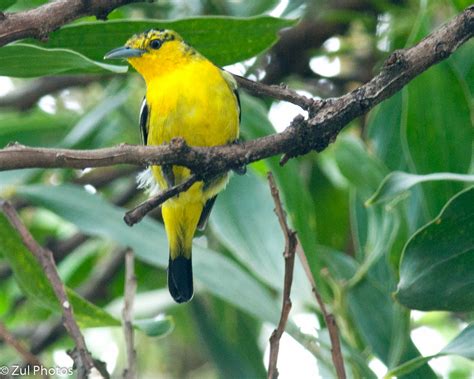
{"type": "Point", "coordinates": [196, 103]}
{"type": "Point", "coordinates": [193, 102]}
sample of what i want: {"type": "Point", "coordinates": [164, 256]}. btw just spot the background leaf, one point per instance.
{"type": "Point", "coordinates": [461, 345]}
{"type": "Point", "coordinates": [441, 252]}
{"type": "Point", "coordinates": [31, 278]}
{"type": "Point", "coordinates": [447, 125]}
{"type": "Point", "coordinates": [397, 183]}
{"type": "Point", "coordinates": [33, 281]}
{"type": "Point", "coordinates": [244, 221]}
{"type": "Point", "coordinates": [223, 40]}
{"type": "Point", "coordinates": [15, 61]}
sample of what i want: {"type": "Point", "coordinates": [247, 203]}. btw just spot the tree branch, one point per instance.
{"type": "Point", "coordinates": [39, 22]}
{"type": "Point", "coordinates": [315, 133]}
{"type": "Point", "coordinates": [10, 339]}
{"type": "Point", "coordinates": [329, 319]}
{"type": "Point", "coordinates": [289, 255]}
{"type": "Point", "coordinates": [127, 315]}
{"type": "Point", "coordinates": [136, 214]}
{"type": "Point", "coordinates": [280, 92]}
{"type": "Point", "coordinates": [45, 257]}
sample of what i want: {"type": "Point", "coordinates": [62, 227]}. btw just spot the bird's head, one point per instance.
{"type": "Point", "coordinates": [152, 52]}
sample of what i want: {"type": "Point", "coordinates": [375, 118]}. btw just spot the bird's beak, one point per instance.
{"type": "Point", "coordinates": [124, 52]}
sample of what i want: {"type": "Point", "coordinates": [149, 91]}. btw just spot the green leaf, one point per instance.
{"type": "Point", "coordinates": [461, 4]}
{"type": "Point", "coordinates": [31, 278]}
{"type": "Point", "coordinates": [16, 60]}
{"type": "Point", "coordinates": [396, 184]}
{"type": "Point", "coordinates": [383, 128]}
{"type": "Point", "coordinates": [223, 40]}
{"type": "Point", "coordinates": [21, 5]}
{"type": "Point", "coordinates": [376, 230]}
{"type": "Point", "coordinates": [463, 61]}
{"type": "Point", "coordinates": [294, 191]}
{"type": "Point", "coordinates": [377, 234]}
{"type": "Point", "coordinates": [408, 367]}
{"type": "Point", "coordinates": [93, 215]}
{"type": "Point", "coordinates": [155, 327]}
{"type": "Point", "coordinates": [461, 345]}
{"type": "Point", "coordinates": [437, 131]}
{"type": "Point", "coordinates": [360, 168]}
{"type": "Point", "coordinates": [93, 119]}
{"type": "Point", "coordinates": [251, 8]}
{"type": "Point", "coordinates": [4, 4]}
{"type": "Point", "coordinates": [34, 283]}
{"type": "Point", "coordinates": [35, 128]}
{"type": "Point", "coordinates": [384, 332]}
{"type": "Point", "coordinates": [243, 219]}
{"type": "Point", "coordinates": [235, 352]}
{"type": "Point", "coordinates": [436, 267]}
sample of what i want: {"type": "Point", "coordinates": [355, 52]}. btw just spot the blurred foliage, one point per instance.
{"type": "Point", "coordinates": [387, 209]}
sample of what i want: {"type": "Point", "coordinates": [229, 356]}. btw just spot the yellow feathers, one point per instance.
{"type": "Point", "coordinates": [189, 97]}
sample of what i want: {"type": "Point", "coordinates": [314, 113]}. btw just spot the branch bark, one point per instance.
{"type": "Point", "coordinates": [336, 352]}
{"type": "Point", "coordinates": [136, 214]}
{"type": "Point", "coordinates": [22, 350]}
{"type": "Point", "coordinates": [127, 315]}
{"type": "Point", "coordinates": [326, 119]}
{"type": "Point", "coordinates": [39, 22]}
{"type": "Point", "coordinates": [289, 255]}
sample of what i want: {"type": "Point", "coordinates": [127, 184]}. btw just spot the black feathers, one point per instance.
{"type": "Point", "coordinates": [144, 121]}
{"type": "Point", "coordinates": [180, 279]}
{"type": "Point", "coordinates": [206, 212]}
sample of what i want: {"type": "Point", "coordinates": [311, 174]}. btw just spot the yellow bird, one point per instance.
{"type": "Point", "coordinates": [187, 96]}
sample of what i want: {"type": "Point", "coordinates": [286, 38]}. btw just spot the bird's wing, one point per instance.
{"type": "Point", "coordinates": [233, 86]}
{"type": "Point", "coordinates": [144, 114]}
{"type": "Point", "coordinates": [206, 212]}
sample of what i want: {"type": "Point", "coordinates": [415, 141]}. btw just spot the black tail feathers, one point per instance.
{"type": "Point", "coordinates": [180, 279]}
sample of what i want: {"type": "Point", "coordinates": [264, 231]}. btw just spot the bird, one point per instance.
{"type": "Point", "coordinates": [189, 97]}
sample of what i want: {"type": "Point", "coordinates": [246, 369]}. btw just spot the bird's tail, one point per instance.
{"type": "Point", "coordinates": [180, 222]}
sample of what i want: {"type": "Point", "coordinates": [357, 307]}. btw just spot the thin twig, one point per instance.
{"type": "Point", "coordinates": [19, 346]}
{"type": "Point", "coordinates": [45, 257]}
{"type": "Point", "coordinates": [127, 315]}
{"type": "Point", "coordinates": [289, 255]}
{"type": "Point", "coordinates": [280, 92]}
{"type": "Point", "coordinates": [333, 330]}
{"type": "Point", "coordinates": [136, 214]}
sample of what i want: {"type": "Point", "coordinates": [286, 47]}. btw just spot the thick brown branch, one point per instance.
{"type": "Point", "coordinates": [289, 255]}
{"type": "Point", "coordinates": [300, 138]}
{"type": "Point", "coordinates": [39, 22]}
{"type": "Point", "coordinates": [45, 258]}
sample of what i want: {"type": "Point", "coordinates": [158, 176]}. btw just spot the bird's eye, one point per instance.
{"type": "Point", "coordinates": [155, 44]}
